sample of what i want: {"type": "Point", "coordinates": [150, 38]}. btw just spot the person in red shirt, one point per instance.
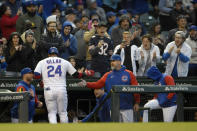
{"type": "Point", "coordinates": [8, 23]}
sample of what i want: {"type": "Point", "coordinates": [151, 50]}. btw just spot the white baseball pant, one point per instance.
{"type": "Point", "coordinates": [126, 115]}
{"type": "Point", "coordinates": [168, 112]}
{"type": "Point", "coordinates": [56, 101]}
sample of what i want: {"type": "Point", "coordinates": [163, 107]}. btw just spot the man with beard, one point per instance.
{"type": "Point", "coordinates": [25, 85]}
{"type": "Point", "coordinates": [33, 17]}
{"type": "Point", "coordinates": [50, 39]}
{"type": "Point", "coordinates": [192, 42]}
{"type": "Point", "coordinates": [124, 25]}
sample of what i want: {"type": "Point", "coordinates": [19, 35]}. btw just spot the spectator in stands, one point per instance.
{"type": "Point", "coordinates": [3, 63]}
{"type": "Point", "coordinates": [177, 55]}
{"type": "Point", "coordinates": [182, 26]}
{"type": "Point", "coordinates": [3, 42]}
{"type": "Point", "coordinates": [14, 6]}
{"type": "Point", "coordinates": [177, 11]}
{"type": "Point", "coordinates": [160, 43]}
{"type": "Point", "coordinates": [155, 31]}
{"type": "Point", "coordinates": [165, 6]}
{"type": "Point", "coordinates": [28, 26]}
{"type": "Point", "coordinates": [149, 55]}
{"type": "Point", "coordinates": [79, 6]}
{"type": "Point", "coordinates": [128, 52]}
{"type": "Point", "coordinates": [194, 12]}
{"type": "Point", "coordinates": [94, 19]}
{"type": "Point", "coordinates": [33, 17]}
{"type": "Point", "coordinates": [87, 36]}
{"type": "Point", "coordinates": [92, 7]}
{"type": "Point", "coordinates": [136, 21]}
{"type": "Point", "coordinates": [50, 39]}
{"type": "Point", "coordinates": [81, 45]}
{"type": "Point", "coordinates": [70, 41]}
{"type": "Point", "coordinates": [192, 42]}
{"type": "Point", "coordinates": [30, 49]}
{"type": "Point", "coordinates": [100, 48]}
{"type": "Point", "coordinates": [136, 31]}
{"type": "Point", "coordinates": [124, 25]}
{"type": "Point", "coordinates": [8, 23]}
{"type": "Point", "coordinates": [71, 15]}
{"type": "Point", "coordinates": [48, 6]}
{"type": "Point", "coordinates": [110, 5]}
{"type": "Point", "coordinates": [112, 21]}
{"type": "Point", "coordinates": [14, 54]}
{"type": "Point", "coordinates": [74, 63]}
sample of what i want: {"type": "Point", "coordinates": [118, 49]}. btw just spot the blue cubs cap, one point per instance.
{"type": "Point", "coordinates": [115, 57]}
{"type": "Point", "coordinates": [53, 50]}
{"type": "Point", "coordinates": [193, 27]}
{"type": "Point", "coordinates": [110, 13]}
{"type": "Point", "coordinates": [26, 70]}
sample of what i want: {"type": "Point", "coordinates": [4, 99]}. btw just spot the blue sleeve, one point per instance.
{"type": "Point", "coordinates": [90, 115]}
{"type": "Point", "coordinates": [73, 46]}
{"type": "Point", "coordinates": [166, 56]}
{"type": "Point", "coordinates": [162, 6]}
{"type": "Point", "coordinates": [183, 58]}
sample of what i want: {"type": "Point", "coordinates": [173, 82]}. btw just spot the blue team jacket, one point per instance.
{"type": "Point", "coordinates": [103, 113]}
{"type": "Point", "coordinates": [22, 86]}
{"type": "Point", "coordinates": [121, 77]}
{"type": "Point", "coordinates": [160, 78]}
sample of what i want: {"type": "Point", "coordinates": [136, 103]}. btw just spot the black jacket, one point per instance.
{"type": "Point", "coordinates": [46, 42]}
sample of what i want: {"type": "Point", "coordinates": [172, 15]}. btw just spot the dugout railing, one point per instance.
{"type": "Point", "coordinates": [178, 89]}
{"type": "Point", "coordinates": [20, 97]}
{"type": "Point", "coordinates": [81, 93]}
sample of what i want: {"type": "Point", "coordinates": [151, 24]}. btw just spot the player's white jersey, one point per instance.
{"type": "Point", "coordinates": [53, 71]}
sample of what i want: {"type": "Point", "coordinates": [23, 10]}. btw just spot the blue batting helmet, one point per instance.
{"type": "Point", "coordinates": [53, 50]}
{"type": "Point", "coordinates": [115, 57]}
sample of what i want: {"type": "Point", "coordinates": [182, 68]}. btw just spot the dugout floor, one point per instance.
{"type": "Point", "coordinates": [182, 126]}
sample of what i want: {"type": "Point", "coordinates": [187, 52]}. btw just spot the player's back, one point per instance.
{"type": "Point", "coordinates": [53, 70]}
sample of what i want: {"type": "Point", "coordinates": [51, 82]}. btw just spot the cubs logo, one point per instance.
{"type": "Point", "coordinates": [125, 78]}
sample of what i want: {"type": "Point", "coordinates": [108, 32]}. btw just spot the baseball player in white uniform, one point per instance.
{"type": "Point", "coordinates": [53, 71]}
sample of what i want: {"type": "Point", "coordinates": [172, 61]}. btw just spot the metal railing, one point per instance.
{"type": "Point", "coordinates": [179, 90]}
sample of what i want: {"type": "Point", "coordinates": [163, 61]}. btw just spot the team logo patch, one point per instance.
{"type": "Point", "coordinates": [125, 78]}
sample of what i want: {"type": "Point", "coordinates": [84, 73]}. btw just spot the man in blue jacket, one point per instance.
{"type": "Point", "coordinates": [165, 101]}
{"type": "Point", "coordinates": [70, 41]}
{"type": "Point", "coordinates": [119, 75]}
{"type": "Point", "coordinates": [25, 85]}
{"type": "Point", "coordinates": [104, 112]}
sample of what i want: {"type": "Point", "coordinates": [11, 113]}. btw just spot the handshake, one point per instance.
{"type": "Point", "coordinates": [83, 83]}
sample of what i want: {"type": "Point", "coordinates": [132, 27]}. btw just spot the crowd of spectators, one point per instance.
{"type": "Point", "coordinates": [144, 33]}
